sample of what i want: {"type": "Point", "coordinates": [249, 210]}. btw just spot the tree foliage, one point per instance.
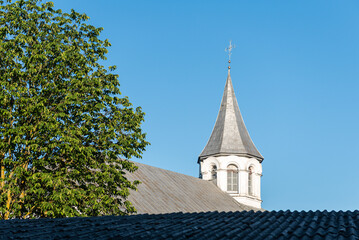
{"type": "Point", "coordinates": [64, 128]}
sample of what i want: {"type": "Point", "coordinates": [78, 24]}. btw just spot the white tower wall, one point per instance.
{"type": "Point", "coordinates": [243, 164]}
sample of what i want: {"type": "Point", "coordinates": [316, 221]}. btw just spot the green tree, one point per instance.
{"type": "Point", "coordinates": [64, 129]}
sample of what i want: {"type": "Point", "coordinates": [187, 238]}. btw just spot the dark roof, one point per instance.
{"type": "Point", "coordinates": [230, 135]}
{"type": "Point", "coordinates": [164, 191]}
{"type": "Point", "coordinates": [209, 225]}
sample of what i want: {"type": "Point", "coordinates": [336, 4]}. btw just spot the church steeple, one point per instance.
{"type": "Point", "coordinates": [230, 135]}
{"type": "Point", "coordinates": [230, 159]}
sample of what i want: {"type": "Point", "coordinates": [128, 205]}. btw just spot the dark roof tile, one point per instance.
{"type": "Point", "coordinates": [204, 225]}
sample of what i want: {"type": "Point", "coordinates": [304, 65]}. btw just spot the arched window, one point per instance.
{"type": "Point", "coordinates": [250, 180]}
{"type": "Point", "coordinates": [232, 178]}
{"type": "Point", "coordinates": [214, 174]}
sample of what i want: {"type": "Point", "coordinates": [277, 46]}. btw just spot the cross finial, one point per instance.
{"type": "Point", "coordinates": [229, 50]}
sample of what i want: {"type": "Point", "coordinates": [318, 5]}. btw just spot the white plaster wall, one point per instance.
{"type": "Point", "coordinates": [243, 164]}
{"type": "Point", "coordinates": [206, 167]}
{"type": "Point", "coordinates": [253, 202]}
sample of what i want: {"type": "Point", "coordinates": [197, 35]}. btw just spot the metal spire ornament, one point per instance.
{"type": "Point", "coordinates": [229, 50]}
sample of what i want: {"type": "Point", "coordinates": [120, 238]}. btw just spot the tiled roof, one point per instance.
{"type": "Point", "coordinates": [230, 135]}
{"type": "Point", "coordinates": [209, 225]}
{"type": "Point", "coordinates": [164, 191]}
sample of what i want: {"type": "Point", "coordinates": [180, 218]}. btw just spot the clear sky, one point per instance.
{"type": "Point", "coordinates": [295, 71]}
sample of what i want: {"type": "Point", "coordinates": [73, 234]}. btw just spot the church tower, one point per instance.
{"type": "Point", "coordinates": [230, 159]}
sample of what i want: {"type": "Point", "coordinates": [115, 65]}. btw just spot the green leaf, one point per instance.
{"type": "Point", "coordinates": [64, 126]}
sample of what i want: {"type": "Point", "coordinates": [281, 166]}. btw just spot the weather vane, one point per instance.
{"type": "Point", "coordinates": [229, 50]}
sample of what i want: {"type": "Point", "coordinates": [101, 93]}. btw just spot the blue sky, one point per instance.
{"type": "Point", "coordinates": [295, 70]}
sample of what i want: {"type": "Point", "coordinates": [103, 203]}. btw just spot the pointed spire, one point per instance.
{"type": "Point", "coordinates": [230, 135]}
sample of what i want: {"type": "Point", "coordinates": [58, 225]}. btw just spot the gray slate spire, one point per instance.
{"type": "Point", "coordinates": [230, 135]}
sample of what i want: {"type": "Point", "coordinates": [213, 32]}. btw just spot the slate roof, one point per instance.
{"type": "Point", "coordinates": [164, 191]}
{"type": "Point", "coordinates": [210, 225]}
{"type": "Point", "coordinates": [230, 135]}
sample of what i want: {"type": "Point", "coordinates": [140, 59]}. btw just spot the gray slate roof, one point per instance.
{"type": "Point", "coordinates": [164, 191]}
{"type": "Point", "coordinates": [230, 135]}
{"type": "Point", "coordinates": [210, 225]}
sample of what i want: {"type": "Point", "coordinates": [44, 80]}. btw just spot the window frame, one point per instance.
{"type": "Point", "coordinates": [250, 181]}
{"type": "Point", "coordinates": [213, 173]}
{"type": "Point", "coordinates": [232, 178]}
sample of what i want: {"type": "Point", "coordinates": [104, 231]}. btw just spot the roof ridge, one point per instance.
{"type": "Point", "coordinates": [225, 110]}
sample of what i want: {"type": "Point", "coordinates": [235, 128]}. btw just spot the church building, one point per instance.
{"type": "Point", "coordinates": [230, 171]}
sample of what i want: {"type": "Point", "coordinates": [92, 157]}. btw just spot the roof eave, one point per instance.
{"type": "Point", "coordinates": [220, 154]}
